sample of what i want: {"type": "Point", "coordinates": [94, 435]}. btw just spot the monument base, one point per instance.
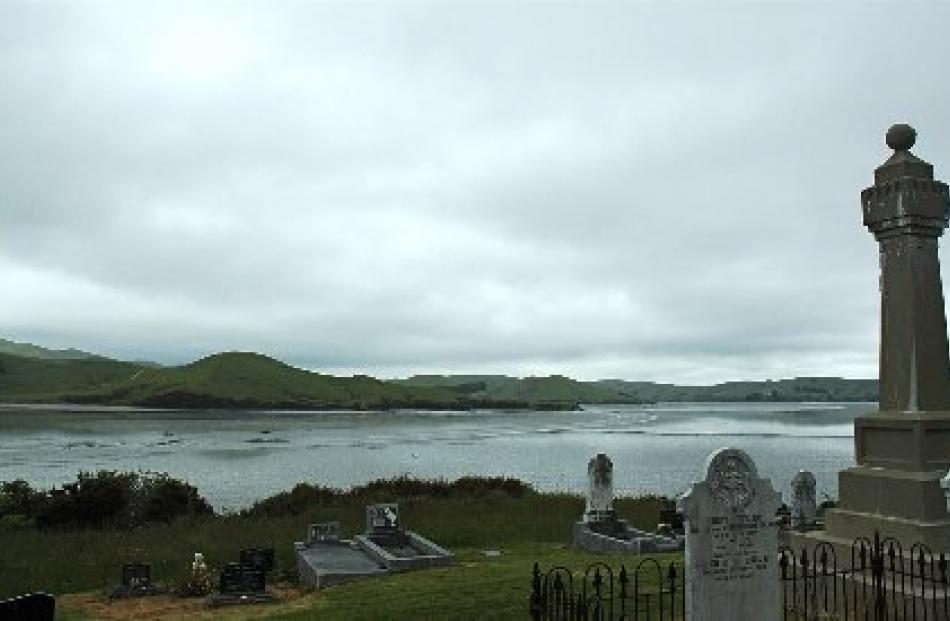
{"type": "Point", "coordinates": [913, 441]}
{"type": "Point", "coordinates": [908, 506]}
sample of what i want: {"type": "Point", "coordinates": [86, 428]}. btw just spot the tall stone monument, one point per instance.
{"type": "Point", "coordinates": [903, 450]}
{"type": "Point", "coordinates": [731, 542]}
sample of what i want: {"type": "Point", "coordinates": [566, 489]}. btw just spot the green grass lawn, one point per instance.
{"type": "Point", "coordinates": [529, 528]}
{"type": "Point", "coordinates": [478, 587]}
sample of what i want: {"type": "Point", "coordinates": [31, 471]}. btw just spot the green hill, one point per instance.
{"type": "Point", "coordinates": [31, 374]}
{"type": "Point", "coordinates": [226, 380]}
{"type": "Point", "coordinates": [238, 379]}
{"type": "Point", "coordinates": [30, 379]}
{"type": "Point", "coordinates": [29, 350]}
{"type": "Point", "coordinates": [557, 387]}
{"type": "Point", "coordinates": [533, 389]}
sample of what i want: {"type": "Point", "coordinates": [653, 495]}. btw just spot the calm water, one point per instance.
{"type": "Point", "coordinates": [235, 458]}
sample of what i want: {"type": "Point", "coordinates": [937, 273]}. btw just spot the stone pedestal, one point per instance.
{"type": "Point", "coordinates": [903, 450]}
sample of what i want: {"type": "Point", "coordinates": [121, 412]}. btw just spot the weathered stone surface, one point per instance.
{"type": "Point", "coordinates": [804, 500]}
{"type": "Point", "coordinates": [601, 530]}
{"type": "Point", "coordinates": [907, 210]}
{"type": "Point", "coordinates": [903, 450]}
{"type": "Point", "coordinates": [731, 542]}
{"type": "Point", "coordinates": [600, 494]}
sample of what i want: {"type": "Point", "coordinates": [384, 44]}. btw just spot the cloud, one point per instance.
{"type": "Point", "coordinates": [639, 191]}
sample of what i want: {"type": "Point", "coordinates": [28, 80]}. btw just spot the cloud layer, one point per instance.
{"type": "Point", "coordinates": [637, 191]}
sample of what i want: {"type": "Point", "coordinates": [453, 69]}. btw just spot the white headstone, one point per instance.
{"type": "Point", "coordinates": [804, 501]}
{"type": "Point", "coordinates": [731, 542]}
{"type": "Point", "coordinates": [600, 495]}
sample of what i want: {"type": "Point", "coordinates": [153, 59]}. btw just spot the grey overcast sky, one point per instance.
{"type": "Point", "coordinates": [659, 191]}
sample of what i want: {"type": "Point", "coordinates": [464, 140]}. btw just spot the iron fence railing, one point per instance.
{"type": "Point", "coordinates": [653, 590]}
{"type": "Point", "coordinates": [879, 581]}
{"type": "Point", "coordinates": [876, 579]}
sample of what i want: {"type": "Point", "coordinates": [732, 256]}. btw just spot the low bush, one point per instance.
{"type": "Point", "coordinates": [305, 496]}
{"type": "Point", "coordinates": [105, 498]}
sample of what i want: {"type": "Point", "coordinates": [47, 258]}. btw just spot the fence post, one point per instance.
{"type": "Point", "coordinates": [534, 602]}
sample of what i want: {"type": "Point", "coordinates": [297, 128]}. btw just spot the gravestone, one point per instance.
{"type": "Point", "coordinates": [671, 520]}
{"type": "Point", "coordinates": [804, 501]}
{"type": "Point", "coordinates": [237, 578]}
{"type": "Point", "coordinates": [601, 530]}
{"type": "Point", "coordinates": [324, 531]}
{"type": "Point", "coordinates": [137, 577]}
{"type": "Point", "coordinates": [600, 494]}
{"type": "Point", "coordinates": [731, 542]}
{"type": "Point", "coordinates": [261, 558]}
{"type": "Point", "coordinates": [136, 582]}
{"type": "Point", "coordinates": [382, 518]}
{"type": "Point", "coordinates": [29, 607]}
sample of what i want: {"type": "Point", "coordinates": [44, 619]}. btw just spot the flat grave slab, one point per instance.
{"type": "Point", "coordinates": [325, 559]}
{"type": "Point", "coordinates": [324, 564]}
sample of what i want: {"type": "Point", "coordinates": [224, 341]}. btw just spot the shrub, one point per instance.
{"type": "Point", "coordinates": [165, 498]}
{"type": "Point", "coordinates": [294, 502]}
{"type": "Point", "coordinates": [18, 498]}
{"type": "Point", "coordinates": [106, 498]}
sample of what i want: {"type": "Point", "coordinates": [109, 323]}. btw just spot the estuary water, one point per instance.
{"type": "Point", "coordinates": [237, 457]}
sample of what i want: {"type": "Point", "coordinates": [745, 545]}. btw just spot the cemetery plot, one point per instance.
{"type": "Point", "coordinates": [325, 559]}
{"type": "Point", "coordinates": [600, 530]}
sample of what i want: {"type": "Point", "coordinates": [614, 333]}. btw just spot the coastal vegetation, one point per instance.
{"type": "Point", "coordinates": [31, 374]}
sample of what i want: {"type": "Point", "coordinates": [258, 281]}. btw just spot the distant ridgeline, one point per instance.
{"type": "Point", "coordinates": [31, 374]}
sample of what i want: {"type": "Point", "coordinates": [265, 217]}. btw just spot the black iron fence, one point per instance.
{"type": "Point", "coordinates": [653, 590]}
{"type": "Point", "coordinates": [875, 579]}
{"type": "Point", "coordinates": [878, 581]}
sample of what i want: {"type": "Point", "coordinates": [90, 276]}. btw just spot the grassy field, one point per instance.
{"type": "Point", "coordinates": [81, 566]}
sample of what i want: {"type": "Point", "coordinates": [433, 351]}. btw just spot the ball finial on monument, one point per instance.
{"type": "Point", "coordinates": [901, 137]}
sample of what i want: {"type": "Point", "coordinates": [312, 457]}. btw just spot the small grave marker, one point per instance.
{"type": "Point", "coordinates": [137, 577]}
{"type": "Point", "coordinates": [804, 501]}
{"type": "Point", "coordinates": [382, 518]}
{"type": "Point", "coordinates": [324, 532]}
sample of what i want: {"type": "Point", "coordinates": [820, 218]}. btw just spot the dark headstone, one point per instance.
{"type": "Point", "coordinates": [136, 576]}
{"type": "Point", "coordinates": [261, 558]}
{"type": "Point", "coordinates": [31, 607]}
{"type": "Point", "coordinates": [671, 517]}
{"type": "Point", "coordinates": [237, 578]}
{"type": "Point", "coordinates": [324, 531]}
